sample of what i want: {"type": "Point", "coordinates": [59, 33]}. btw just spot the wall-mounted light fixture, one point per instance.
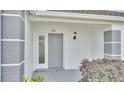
{"type": "Point", "coordinates": [75, 35]}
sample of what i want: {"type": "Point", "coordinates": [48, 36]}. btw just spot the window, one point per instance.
{"type": "Point", "coordinates": [41, 49]}
{"type": "Point", "coordinates": [112, 44]}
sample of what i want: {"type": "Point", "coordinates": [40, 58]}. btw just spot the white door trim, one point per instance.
{"type": "Point", "coordinates": [36, 64]}
{"type": "Point", "coordinates": [36, 49]}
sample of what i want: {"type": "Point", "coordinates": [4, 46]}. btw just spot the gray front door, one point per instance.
{"type": "Point", "coordinates": [55, 50]}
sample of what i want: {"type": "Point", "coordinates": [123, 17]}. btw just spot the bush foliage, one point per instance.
{"type": "Point", "coordinates": [34, 79]}
{"type": "Point", "coordinates": [102, 70]}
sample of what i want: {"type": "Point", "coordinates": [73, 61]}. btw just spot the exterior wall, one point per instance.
{"type": "Point", "coordinates": [97, 41]}
{"type": "Point", "coordinates": [28, 48]}
{"type": "Point", "coordinates": [120, 27]}
{"type": "Point", "coordinates": [122, 44]}
{"type": "Point", "coordinates": [12, 27]}
{"type": "Point", "coordinates": [74, 50]}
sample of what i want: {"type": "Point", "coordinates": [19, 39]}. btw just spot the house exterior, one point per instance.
{"type": "Point", "coordinates": [33, 40]}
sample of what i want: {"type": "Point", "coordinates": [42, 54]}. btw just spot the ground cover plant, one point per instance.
{"type": "Point", "coordinates": [34, 79]}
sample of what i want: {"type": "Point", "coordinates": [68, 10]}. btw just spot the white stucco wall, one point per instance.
{"type": "Point", "coordinates": [28, 48]}
{"type": "Point", "coordinates": [97, 41]}
{"type": "Point", "coordinates": [120, 26]}
{"type": "Point", "coordinates": [97, 44]}
{"type": "Point", "coordinates": [89, 42]}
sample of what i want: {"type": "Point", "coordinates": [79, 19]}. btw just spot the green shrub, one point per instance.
{"type": "Point", "coordinates": [34, 79]}
{"type": "Point", "coordinates": [102, 70]}
{"type": "Point", "coordinates": [25, 78]}
{"type": "Point", "coordinates": [37, 79]}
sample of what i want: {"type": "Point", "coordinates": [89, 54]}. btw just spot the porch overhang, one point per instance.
{"type": "Point", "coordinates": [44, 13]}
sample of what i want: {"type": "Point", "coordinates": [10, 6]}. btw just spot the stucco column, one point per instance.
{"type": "Point", "coordinates": [122, 44]}
{"type": "Point", "coordinates": [0, 45]}
{"type": "Point", "coordinates": [12, 36]}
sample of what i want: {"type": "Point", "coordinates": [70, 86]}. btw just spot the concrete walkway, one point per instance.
{"type": "Point", "coordinates": [59, 75]}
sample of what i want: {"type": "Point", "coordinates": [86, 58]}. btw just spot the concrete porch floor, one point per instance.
{"type": "Point", "coordinates": [59, 75]}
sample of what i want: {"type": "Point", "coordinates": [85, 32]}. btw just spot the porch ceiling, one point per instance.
{"type": "Point", "coordinates": [81, 25]}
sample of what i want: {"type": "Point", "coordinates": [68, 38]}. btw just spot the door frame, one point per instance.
{"type": "Point", "coordinates": [36, 64]}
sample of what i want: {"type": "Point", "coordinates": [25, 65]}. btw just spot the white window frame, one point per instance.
{"type": "Point", "coordinates": [119, 55]}
{"type": "Point", "coordinates": [36, 64]}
